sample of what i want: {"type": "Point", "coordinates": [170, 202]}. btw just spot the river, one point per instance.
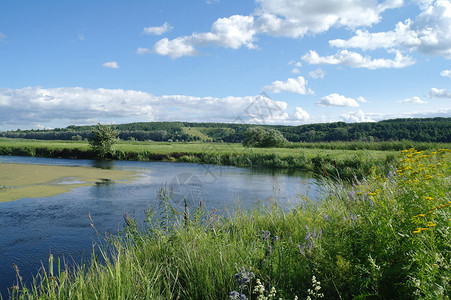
{"type": "Point", "coordinates": [32, 228]}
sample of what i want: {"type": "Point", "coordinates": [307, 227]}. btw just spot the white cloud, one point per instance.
{"type": "Point", "coordinates": [296, 63]}
{"type": "Point", "coordinates": [2, 37]}
{"type": "Point", "coordinates": [174, 48]}
{"type": "Point", "coordinates": [158, 30]}
{"type": "Point", "coordinates": [337, 100]}
{"type": "Point", "coordinates": [81, 37]}
{"type": "Point", "coordinates": [371, 41]}
{"type": "Point", "coordinates": [295, 18]}
{"type": "Point", "coordinates": [317, 74]}
{"type": "Point", "coordinates": [288, 18]}
{"type": "Point", "coordinates": [292, 85]}
{"type": "Point", "coordinates": [356, 60]}
{"type": "Point", "coordinates": [233, 32]}
{"type": "Point", "coordinates": [441, 112]}
{"type": "Point", "coordinates": [439, 93]}
{"type": "Point", "coordinates": [446, 73]}
{"type": "Point", "coordinates": [415, 100]}
{"type": "Point", "coordinates": [361, 99]}
{"type": "Point", "coordinates": [32, 105]}
{"type": "Point", "coordinates": [429, 33]}
{"type": "Point", "coordinates": [144, 51]}
{"type": "Point", "coordinates": [111, 64]}
{"type": "Point", "coordinates": [300, 114]}
{"type": "Point", "coordinates": [357, 116]}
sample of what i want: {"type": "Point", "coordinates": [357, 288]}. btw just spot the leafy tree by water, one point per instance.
{"type": "Point", "coordinates": [103, 139]}
{"type": "Point", "coordinates": [261, 138]}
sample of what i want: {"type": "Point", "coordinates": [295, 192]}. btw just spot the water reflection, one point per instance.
{"type": "Point", "coordinates": [34, 228]}
{"type": "Point", "coordinates": [103, 164]}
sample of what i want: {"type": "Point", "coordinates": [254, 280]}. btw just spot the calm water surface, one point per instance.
{"type": "Point", "coordinates": [31, 229]}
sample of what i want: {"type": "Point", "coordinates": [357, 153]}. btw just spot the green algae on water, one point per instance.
{"type": "Point", "coordinates": [35, 181]}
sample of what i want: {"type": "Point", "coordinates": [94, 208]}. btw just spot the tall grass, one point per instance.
{"type": "Point", "coordinates": [384, 237]}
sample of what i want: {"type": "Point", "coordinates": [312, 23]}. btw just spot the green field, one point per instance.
{"type": "Point", "coordinates": [385, 237]}
{"type": "Point", "coordinates": [337, 162]}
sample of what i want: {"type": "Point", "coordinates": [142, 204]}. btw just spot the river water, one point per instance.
{"type": "Point", "coordinates": [32, 228]}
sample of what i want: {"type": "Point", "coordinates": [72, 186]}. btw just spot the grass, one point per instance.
{"type": "Point", "coordinates": [386, 236]}
{"type": "Point", "coordinates": [34, 181]}
{"type": "Point", "coordinates": [196, 132]}
{"type": "Point", "coordinates": [340, 163]}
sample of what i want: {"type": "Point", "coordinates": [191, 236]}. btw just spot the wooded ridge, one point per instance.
{"type": "Point", "coordinates": [421, 130]}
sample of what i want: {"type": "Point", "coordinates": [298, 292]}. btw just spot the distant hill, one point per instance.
{"type": "Point", "coordinates": [421, 130]}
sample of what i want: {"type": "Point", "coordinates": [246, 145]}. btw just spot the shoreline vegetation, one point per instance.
{"type": "Point", "coordinates": [344, 160]}
{"type": "Point", "coordinates": [385, 236]}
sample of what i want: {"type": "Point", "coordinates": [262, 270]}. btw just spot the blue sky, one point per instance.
{"type": "Point", "coordinates": [83, 62]}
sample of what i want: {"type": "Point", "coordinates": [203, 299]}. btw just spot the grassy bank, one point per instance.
{"type": "Point", "coordinates": [336, 162]}
{"type": "Point", "coordinates": [385, 237]}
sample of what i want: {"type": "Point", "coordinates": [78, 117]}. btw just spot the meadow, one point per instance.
{"type": "Point", "coordinates": [344, 160]}
{"type": "Point", "coordinates": [386, 236]}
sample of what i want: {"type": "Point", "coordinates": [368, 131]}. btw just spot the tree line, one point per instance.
{"type": "Point", "coordinates": [421, 130]}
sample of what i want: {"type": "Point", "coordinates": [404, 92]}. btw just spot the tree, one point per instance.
{"type": "Point", "coordinates": [102, 139]}
{"type": "Point", "coordinates": [260, 137]}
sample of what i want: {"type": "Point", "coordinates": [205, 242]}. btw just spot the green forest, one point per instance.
{"type": "Point", "coordinates": [420, 130]}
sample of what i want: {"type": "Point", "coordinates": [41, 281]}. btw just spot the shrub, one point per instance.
{"type": "Point", "coordinates": [263, 138]}
{"type": "Point", "coordinates": [103, 139]}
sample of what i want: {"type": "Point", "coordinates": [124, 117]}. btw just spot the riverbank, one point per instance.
{"type": "Point", "coordinates": [384, 237]}
{"type": "Point", "coordinates": [333, 162]}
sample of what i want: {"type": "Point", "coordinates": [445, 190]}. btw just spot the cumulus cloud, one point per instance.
{"type": "Point", "coordinates": [293, 85]}
{"type": "Point", "coordinates": [296, 63]}
{"type": "Point", "coordinates": [356, 60]}
{"type": "Point", "coordinates": [158, 30]}
{"type": "Point", "coordinates": [295, 18]}
{"type": "Point", "coordinates": [317, 74]}
{"type": "Point", "coordinates": [287, 18]}
{"type": "Point", "coordinates": [337, 100]}
{"type": "Point", "coordinates": [174, 48]}
{"type": "Point", "coordinates": [446, 73]}
{"type": "Point", "coordinates": [361, 99]}
{"type": "Point", "coordinates": [232, 32]}
{"type": "Point", "coordinates": [354, 117]}
{"type": "Point", "coordinates": [300, 114]}
{"type": "Point", "coordinates": [415, 100]}
{"type": "Point", "coordinates": [76, 105]}
{"type": "Point", "coordinates": [429, 33]}
{"type": "Point", "coordinates": [439, 93]}
{"type": "Point", "coordinates": [111, 64]}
